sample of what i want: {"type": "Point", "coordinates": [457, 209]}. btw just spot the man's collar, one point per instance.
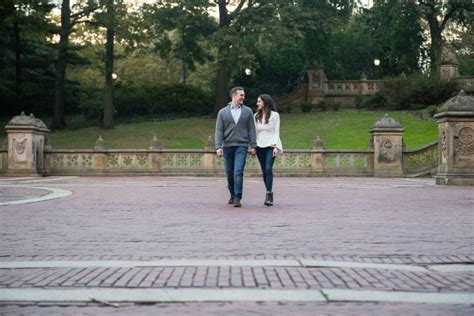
{"type": "Point", "coordinates": [233, 107]}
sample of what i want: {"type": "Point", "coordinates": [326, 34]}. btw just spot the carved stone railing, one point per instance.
{"type": "Point", "coordinates": [201, 162]}
{"type": "Point", "coordinates": [421, 161]}
{"type": "Point", "coordinates": [465, 83]}
{"type": "Point", "coordinates": [385, 157]}
{"type": "Point", "coordinates": [352, 87]}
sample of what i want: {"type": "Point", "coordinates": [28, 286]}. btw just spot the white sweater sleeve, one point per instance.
{"type": "Point", "coordinates": [276, 132]}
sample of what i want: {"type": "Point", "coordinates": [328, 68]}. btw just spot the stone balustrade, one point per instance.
{"type": "Point", "coordinates": [155, 160]}
{"type": "Point", "coordinates": [451, 158]}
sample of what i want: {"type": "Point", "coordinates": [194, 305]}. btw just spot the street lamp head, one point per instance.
{"type": "Point", "coordinates": [376, 62]}
{"type": "Point", "coordinates": [247, 71]}
{"type": "Point", "coordinates": [114, 76]}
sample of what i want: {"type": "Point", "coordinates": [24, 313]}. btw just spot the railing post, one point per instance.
{"type": "Point", "coordinates": [317, 156]}
{"type": "Point", "coordinates": [26, 141]}
{"type": "Point", "coordinates": [388, 147]}
{"type": "Point", "coordinates": [156, 157]}
{"type": "Point", "coordinates": [209, 154]}
{"type": "Point", "coordinates": [456, 141]}
{"type": "Point", "coordinates": [100, 155]}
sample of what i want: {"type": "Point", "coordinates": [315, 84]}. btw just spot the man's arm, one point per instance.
{"type": "Point", "coordinates": [219, 134]}
{"type": "Point", "coordinates": [252, 134]}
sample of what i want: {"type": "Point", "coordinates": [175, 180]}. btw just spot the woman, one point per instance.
{"type": "Point", "coordinates": [267, 126]}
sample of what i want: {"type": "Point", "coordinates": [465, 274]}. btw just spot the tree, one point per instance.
{"type": "Point", "coordinates": [394, 35]}
{"type": "Point", "coordinates": [109, 65]}
{"type": "Point", "coordinates": [112, 18]}
{"type": "Point", "coordinates": [68, 20]}
{"type": "Point", "coordinates": [226, 16]}
{"type": "Point", "coordinates": [180, 30]}
{"type": "Point", "coordinates": [438, 15]}
{"type": "Point", "coordinates": [27, 56]}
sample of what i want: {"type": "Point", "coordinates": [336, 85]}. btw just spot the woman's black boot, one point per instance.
{"type": "Point", "coordinates": [269, 199]}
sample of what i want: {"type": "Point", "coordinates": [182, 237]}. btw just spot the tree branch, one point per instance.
{"type": "Point", "coordinates": [448, 15]}
{"type": "Point", "coordinates": [237, 10]}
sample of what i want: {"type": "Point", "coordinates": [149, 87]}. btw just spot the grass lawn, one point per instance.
{"type": "Point", "coordinates": [345, 129]}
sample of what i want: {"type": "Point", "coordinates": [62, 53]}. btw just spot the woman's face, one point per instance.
{"type": "Point", "coordinates": [260, 104]}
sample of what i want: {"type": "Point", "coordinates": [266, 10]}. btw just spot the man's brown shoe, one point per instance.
{"type": "Point", "coordinates": [237, 203]}
{"type": "Point", "coordinates": [231, 201]}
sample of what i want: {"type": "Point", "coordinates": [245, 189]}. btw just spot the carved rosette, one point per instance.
{"type": "Point", "coordinates": [464, 142]}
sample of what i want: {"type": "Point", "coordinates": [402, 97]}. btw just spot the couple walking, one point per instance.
{"type": "Point", "coordinates": [237, 128]}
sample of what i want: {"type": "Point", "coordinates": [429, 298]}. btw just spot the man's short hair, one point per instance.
{"type": "Point", "coordinates": [234, 91]}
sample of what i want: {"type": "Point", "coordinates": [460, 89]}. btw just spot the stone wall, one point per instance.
{"type": "Point", "coordinates": [315, 87]}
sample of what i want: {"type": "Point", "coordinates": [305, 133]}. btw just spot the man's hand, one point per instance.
{"type": "Point", "coordinates": [253, 151]}
{"type": "Point", "coordinates": [220, 152]}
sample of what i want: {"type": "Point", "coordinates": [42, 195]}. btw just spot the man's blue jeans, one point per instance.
{"type": "Point", "coordinates": [234, 162]}
{"type": "Point", "coordinates": [266, 160]}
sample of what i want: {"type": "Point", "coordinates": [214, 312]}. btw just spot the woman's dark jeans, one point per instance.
{"type": "Point", "coordinates": [266, 160]}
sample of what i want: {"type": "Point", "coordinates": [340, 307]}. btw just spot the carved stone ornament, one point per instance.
{"type": "Point", "coordinates": [19, 149]}
{"type": "Point", "coordinates": [24, 120]}
{"type": "Point", "coordinates": [100, 144]}
{"type": "Point", "coordinates": [443, 142]}
{"type": "Point", "coordinates": [386, 122]}
{"type": "Point", "coordinates": [464, 142]}
{"type": "Point", "coordinates": [388, 151]}
{"type": "Point", "coordinates": [461, 102]}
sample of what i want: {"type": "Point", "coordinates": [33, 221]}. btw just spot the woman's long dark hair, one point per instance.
{"type": "Point", "coordinates": [267, 109]}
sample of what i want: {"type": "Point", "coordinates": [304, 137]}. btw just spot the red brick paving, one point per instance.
{"type": "Point", "coordinates": [395, 221]}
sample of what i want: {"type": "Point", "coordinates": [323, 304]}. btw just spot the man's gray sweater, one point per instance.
{"type": "Point", "coordinates": [228, 133]}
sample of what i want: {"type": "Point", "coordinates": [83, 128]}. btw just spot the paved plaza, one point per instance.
{"type": "Point", "coordinates": [171, 245]}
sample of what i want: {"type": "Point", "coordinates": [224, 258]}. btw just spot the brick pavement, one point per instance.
{"type": "Point", "coordinates": [406, 222]}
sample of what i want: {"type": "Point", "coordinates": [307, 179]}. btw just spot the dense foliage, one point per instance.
{"type": "Point", "coordinates": [150, 100]}
{"type": "Point", "coordinates": [160, 51]}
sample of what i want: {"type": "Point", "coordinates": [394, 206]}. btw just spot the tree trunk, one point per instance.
{"type": "Point", "coordinates": [436, 43]}
{"type": "Point", "coordinates": [184, 73]}
{"type": "Point", "coordinates": [109, 67]}
{"type": "Point", "coordinates": [58, 119]}
{"type": "Point", "coordinates": [222, 86]}
{"type": "Point", "coordinates": [223, 75]}
{"type": "Point", "coordinates": [18, 75]}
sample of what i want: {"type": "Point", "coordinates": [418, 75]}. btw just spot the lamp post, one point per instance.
{"type": "Point", "coordinates": [376, 64]}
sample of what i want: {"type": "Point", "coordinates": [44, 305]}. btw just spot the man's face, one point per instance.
{"type": "Point", "coordinates": [238, 97]}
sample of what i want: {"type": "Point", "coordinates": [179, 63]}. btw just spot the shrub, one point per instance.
{"type": "Point", "coordinates": [163, 100]}
{"type": "Point", "coordinates": [306, 107]}
{"type": "Point", "coordinates": [92, 104]}
{"type": "Point", "coordinates": [325, 105]}
{"type": "Point", "coordinates": [371, 102]}
{"type": "Point", "coordinates": [416, 91]}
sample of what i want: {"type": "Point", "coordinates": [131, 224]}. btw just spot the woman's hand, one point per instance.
{"type": "Point", "coordinates": [275, 151]}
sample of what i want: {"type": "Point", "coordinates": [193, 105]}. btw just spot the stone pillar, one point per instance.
{"type": "Point", "coordinates": [388, 147]}
{"type": "Point", "coordinates": [317, 156]}
{"type": "Point", "coordinates": [456, 141]}
{"type": "Point", "coordinates": [156, 154]}
{"type": "Point", "coordinates": [209, 155]}
{"type": "Point", "coordinates": [447, 71]}
{"type": "Point", "coordinates": [26, 141]}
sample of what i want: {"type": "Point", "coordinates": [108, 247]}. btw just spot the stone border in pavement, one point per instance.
{"type": "Point", "coordinates": [225, 295]}
{"type": "Point", "coordinates": [306, 263]}
{"type": "Point", "coordinates": [54, 193]}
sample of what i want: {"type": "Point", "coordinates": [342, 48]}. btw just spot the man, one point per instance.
{"type": "Point", "coordinates": [235, 131]}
